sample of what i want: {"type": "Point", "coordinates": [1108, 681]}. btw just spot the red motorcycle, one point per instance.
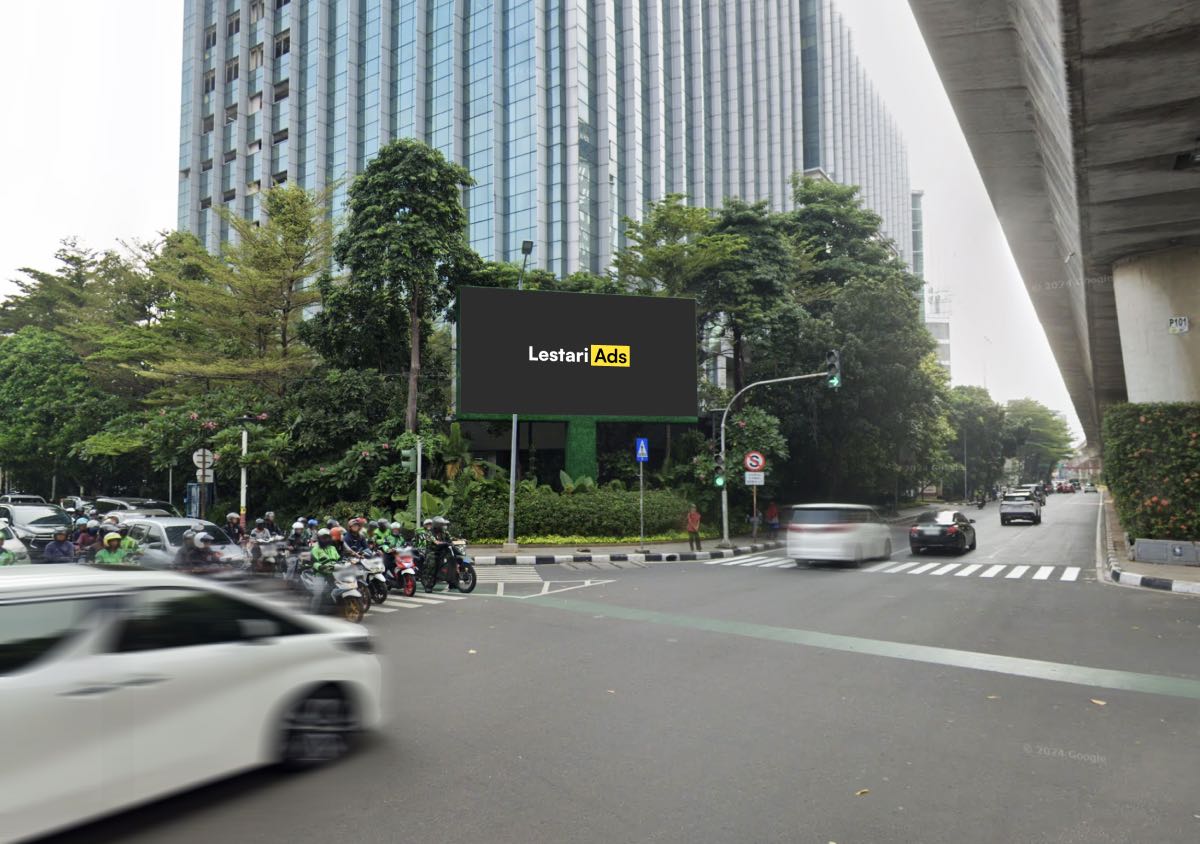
{"type": "Point", "coordinates": [402, 571]}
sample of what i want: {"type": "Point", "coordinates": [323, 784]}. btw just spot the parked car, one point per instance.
{"type": "Point", "coordinates": [21, 498]}
{"type": "Point", "coordinates": [837, 533]}
{"type": "Point", "coordinates": [13, 545]}
{"type": "Point", "coordinates": [128, 685]}
{"type": "Point", "coordinates": [109, 504]}
{"type": "Point", "coordinates": [942, 529]}
{"type": "Point", "coordinates": [165, 534]}
{"type": "Point", "coordinates": [34, 524]}
{"type": "Point", "coordinates": [1020, 505]}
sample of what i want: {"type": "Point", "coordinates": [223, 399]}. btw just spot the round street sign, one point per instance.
{"type": "Point", "coordinates": [754, 461]}
{"type": "Point", "coordinates": [202, 458]}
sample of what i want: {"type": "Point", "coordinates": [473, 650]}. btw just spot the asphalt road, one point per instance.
{"type": "Point", "coordinates": [686, 702]}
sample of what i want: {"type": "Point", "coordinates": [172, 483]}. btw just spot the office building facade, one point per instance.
{"type": "Point", "coordinates": [569, 114]}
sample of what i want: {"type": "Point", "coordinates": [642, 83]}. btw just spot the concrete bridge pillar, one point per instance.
{"type": "Point", "coordinates": [1150, 289]}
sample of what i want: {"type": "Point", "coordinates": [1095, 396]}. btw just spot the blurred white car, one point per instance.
{"type": "Point", "coordinates": [13, 545]}
{"type": "Point", "coordinates": [837, 533]}
{"type": "Point", "coordinates": [122, 686]}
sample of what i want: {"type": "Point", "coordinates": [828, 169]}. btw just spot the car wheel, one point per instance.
{"type": "Point", "coordinates": [973, 543]}
{"type": "Point", "coordinates": [1037, 520]}
{"type": "Point", "coordinates": [317, 730]}
{"type": "Point", "coordinates": [914, 550]}
{"type": "Point", "coordinates": [887, 550]}
{"type": "Point", "coordinates": [1003, 522]}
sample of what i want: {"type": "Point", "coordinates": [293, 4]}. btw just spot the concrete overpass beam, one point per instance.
{"type": "Point", "coordinates": [1149, 289]}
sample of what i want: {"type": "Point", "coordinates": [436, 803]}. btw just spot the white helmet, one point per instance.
{"type": "Point", "coordinates": [199, 539]}
{"type": "Point", "coordinates": [324, 532]}
{"type": "Point", "coordinates": [297, 525]}
{"type": "Point", "coordinates": [427, 523]}
{"type": "Point", "coordinates": [231, 516]}
{"type": "Point", "coordinates": [93, 523]}
{"type": "Point", "coordinates": [395, 526]}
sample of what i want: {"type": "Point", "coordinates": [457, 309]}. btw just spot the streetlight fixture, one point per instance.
{"type": "Point", "coordinates": [511, 545]}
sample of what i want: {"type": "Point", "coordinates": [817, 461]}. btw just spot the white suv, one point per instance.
{"type": "Point", "coordinates": [837, 532]}
{"type": "Point", "coordinates": [1022, 504]}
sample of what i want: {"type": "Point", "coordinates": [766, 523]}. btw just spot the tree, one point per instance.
{"type": "Point", "coordinates": [979, 424]}
{"type": "Point", "coordinates": [406, 231]}
{"type": "Point", "coordinates": [1040, 436]}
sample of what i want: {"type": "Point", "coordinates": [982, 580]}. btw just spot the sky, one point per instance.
{"type": "Point", "coordinates": [90, 150]}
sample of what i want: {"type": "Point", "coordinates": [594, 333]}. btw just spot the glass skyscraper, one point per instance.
{"type": "Point", "coordinates": [570, 114]}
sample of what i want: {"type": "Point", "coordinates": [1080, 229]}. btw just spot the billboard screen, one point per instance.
{"type": "Point", "coordinates": [537, 352]}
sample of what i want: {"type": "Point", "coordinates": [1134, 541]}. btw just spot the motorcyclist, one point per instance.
{"type": "Point", "coordinates": [7, 558]}
{"type": "Point", "coordinates": [233, 527]}
{"type": "Point", "coordinates": [379, 536]}
{"type": "Point", "coordinates": [128, 544]}
{"type": "Point", "coordinates": [325, 558]}
{"type": "Point", "coordinates": [439, 549]}
{"type": "Point", "coordinates": [297, 540]}
{"type": "Point", "coordinates": [268, 521]}
{"type": "Point", "coordinates": [112, 554]}
{"type": "Point", "coordinates": [261, 533]}
{"type": "Point", "coordinates": [61, 550]}
{"type": "Point", "coordinates": [89, 538]}
{"type": "Point", "coordinates": [356, 540]}
{"type": "Point", "coordinates": [338, 537]}
{"type": "Point", "coordinates": [310, 533]}
{"type": "Point", "coordinates": [80, 527]}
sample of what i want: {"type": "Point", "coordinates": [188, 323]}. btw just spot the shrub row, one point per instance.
{"type": "Point", "coordinates": [1152, 467]}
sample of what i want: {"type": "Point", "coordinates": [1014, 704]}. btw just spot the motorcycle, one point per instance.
{"type": "Point", "coordinates": [455, 567]}
{"type": "Point", "coordinates": [372, 576]}
{"type": "Point", "coordinates": [266, 555]}
{"type": "Point", "coordinates": [981, 503]}
{"type": "Point", "coordinates": [348, 601]}
{"type": "Point", "coordinates": [402, 572]}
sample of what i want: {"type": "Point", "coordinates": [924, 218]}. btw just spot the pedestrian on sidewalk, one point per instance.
{"type": "Point", "coordinates": [693, 528]}
{"type": "Point", "coordinates": [772, 515]}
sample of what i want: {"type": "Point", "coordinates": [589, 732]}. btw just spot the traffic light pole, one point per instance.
{"type": "Point", "coordinates": [725, 543]}
{"type": "Point", "coordinates": [418, 525]}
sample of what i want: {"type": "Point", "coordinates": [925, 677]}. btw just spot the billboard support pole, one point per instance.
{"type": "Point", "coordinates": [725, 543]}
{"type": "Point", "coordinates": [511, 545]}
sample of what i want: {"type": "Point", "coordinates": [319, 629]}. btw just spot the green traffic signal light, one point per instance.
{"type": "Point", "coordinates": [833, 369]}
{"type": "Point", "coordinates": [719, 481]}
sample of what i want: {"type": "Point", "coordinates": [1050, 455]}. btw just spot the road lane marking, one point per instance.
{"type": "Point", "coordinates": [947, 568]}
{"type": "Point", "coordinates": [878, 566]}
{"type": "Point", "coordinates": [924, 568]}
{"type": "Point", "coordinates": [1037, 669]}
{"type": "Point", "coordinates": [993, 571]}
{"type": "Point", "coordinates": [969, 570]}
{"type": "Point", "coordinates": [899, 568]}
{"type": "Point", "coordinates": [778, 563]}
{"type": "Point", "coordinates": [1017, 572]}
{"type": "Point", "coordinates": [754, 561]}
{"type": "Point", "coordinates": [1043, 573]}
{"type": "Point", "coordinates": [1070, 573]}
{"type": "Point", "coordinates": [736, 562]}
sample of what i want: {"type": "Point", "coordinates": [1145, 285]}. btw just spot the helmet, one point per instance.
{"type": "Point", "coordinates": [93, 524]}
{"type": "Point", "coordinates": [271, 515]}
{"type": "Point", "coordinates": [188, 534]}
{"type": "Point", "coordinates": [395, 526]}
{"type": "Point", "coordinates": [259, 522]}
{"type": "Point", "coordinates": [111, 519]}
{"type": "Point", "coordinates": [336, 533]}
{"type": "Point", "coordinates": [427, 523]}
{"type": "Point", "coordinates": [122, 529]}
{"type": "Point", "coordinates": [323, 532]}
{"type": "Point", "coordinates": [60, 529]}
{"type": "Point", "coordinates": [199, 539]}
{"type": "Point", "coordinates": [382, 523]}
{"type": "Point", "coordinates": [438, 521]}
{"type": "Point", "coordinates": [331, 523]}
{"type": "Point", "coordinates": [112, 537]}
{"type": "Point", "coordinates": [81, 522]}
{"type": "Point", "coordinates": [312, 522]}
{"type": "Point", "coordinates": [229, 517]}
{"type": "Point", "coordinates": [297, 525]}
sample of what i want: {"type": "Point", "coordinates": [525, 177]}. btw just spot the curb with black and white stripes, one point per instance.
{"type": "Point", "coordinates": [1127, 578]}
{"type": "Point", "coordinates": [671, 557]}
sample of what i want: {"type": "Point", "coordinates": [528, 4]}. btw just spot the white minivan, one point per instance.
{"type": "Point", "coordinates": [848, 533]}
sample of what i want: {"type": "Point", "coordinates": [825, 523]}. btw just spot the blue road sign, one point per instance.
{"type": "Point", "coordinates": [643, 450]}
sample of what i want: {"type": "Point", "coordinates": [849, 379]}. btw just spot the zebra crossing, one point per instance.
{"type": "Point", "coordinates": [507, 574]}
{"type": "Point", "coordinates": [981, 571]}
{"type": "Point", "coordinates": [396, 603]}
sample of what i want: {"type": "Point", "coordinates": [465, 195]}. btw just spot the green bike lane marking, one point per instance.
{"type": "Point", "coordinates": [1106, 678]}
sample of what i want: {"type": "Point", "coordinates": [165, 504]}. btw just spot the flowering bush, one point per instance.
{"type": "Point", "coordinates": [1152, 467]}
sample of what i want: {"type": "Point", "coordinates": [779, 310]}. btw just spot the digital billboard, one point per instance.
{"type": "Point", "coordinates": [537, 352]}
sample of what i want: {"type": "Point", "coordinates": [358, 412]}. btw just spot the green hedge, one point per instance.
{"type": "Point", "coordinates": [591, 512]}
{"type": "Point", "coordinates": [1152, 467]}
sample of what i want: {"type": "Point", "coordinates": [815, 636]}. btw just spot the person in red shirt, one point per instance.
{"type": "Point", "coordinates": [772, 515]}
{"type": "Point", "coordinates": [693, 528]}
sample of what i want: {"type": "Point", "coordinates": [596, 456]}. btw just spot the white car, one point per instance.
{"type": "Point", "coordinates": [13, 545]}
{"type": "Point", "coordinates": [837, 533]}
{"type": "Point", "coordinates": [123, 686]}
{"type": "Point", "coordinates": [1020, 505]}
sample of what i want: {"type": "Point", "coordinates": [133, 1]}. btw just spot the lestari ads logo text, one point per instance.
{"type": "Point", "coordinates": [597, 354]}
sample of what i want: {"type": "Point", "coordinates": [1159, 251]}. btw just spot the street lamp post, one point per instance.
{"type": "Point", "coordinates": [725, 487]}
{"type": "Point", "coordinates": [245, 420]}
{"type": "Point", "coordinates": [526, 251]}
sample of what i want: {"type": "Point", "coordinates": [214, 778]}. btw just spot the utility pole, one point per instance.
{"type": "Point", "coordinates": [511, 545]}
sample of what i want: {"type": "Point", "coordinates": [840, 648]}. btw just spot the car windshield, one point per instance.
{"type": "Point", "coordinates": [40, 515]}
{"type": "Point", "coordinates": [175, 533]}
{"type": "Point", "coordinates": [829, 516]}
{"type": "Point", "coordinates": [940, 517]}
{"type": "Point", "coordinates": [153, 504]}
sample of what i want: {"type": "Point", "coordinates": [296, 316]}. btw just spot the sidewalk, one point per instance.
{"type": "Point", "coordinates": [1120, 569]}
